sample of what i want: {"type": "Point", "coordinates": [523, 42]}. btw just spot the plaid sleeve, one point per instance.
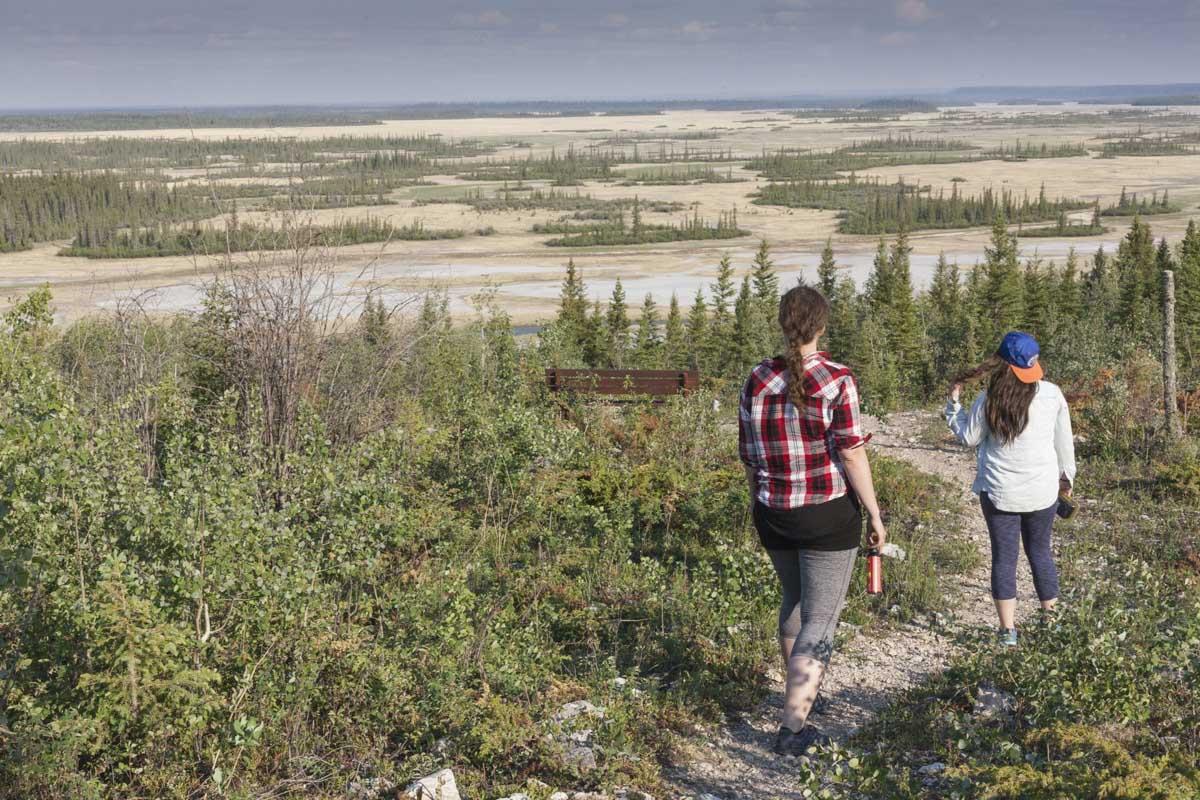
{"type": "Point", "coordinates": [747, 445]}
{"type": "Point", "coordinates": [847, 418]}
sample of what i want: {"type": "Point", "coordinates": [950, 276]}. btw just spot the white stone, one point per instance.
{"type": "Point", "coordinates": [438, 786]}
{"type": "Point", "coordinates": [992, 702]}
{"type": "Point", "coordinates": [578, 708]}
{"type": "Point", "coordinates": [932, 769]}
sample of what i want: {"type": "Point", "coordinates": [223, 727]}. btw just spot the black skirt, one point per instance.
{"type": "Point", "coordinates": [835, 525]}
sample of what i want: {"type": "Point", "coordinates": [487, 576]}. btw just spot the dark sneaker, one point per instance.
{"type": "Point", "coordinates": [820, 706]}
{"type": "Point", "coordinates": [790, 743]}
{"type": "Point", "coordinates": [1007, 637]}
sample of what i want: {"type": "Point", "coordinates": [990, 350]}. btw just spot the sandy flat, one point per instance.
{"type": "Point", "coordinates": [525, 274]}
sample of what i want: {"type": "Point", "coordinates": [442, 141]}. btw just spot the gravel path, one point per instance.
{"type": "Point", "coordinates": [736, 760]}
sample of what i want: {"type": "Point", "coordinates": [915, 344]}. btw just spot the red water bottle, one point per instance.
{"type": "Point", "coordinates": [874, 572]}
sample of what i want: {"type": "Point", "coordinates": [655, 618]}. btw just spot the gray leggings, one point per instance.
{"type": "Point", "coordinates": [814, 584]}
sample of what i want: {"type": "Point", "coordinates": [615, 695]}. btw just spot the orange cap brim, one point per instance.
{"type": "Point", "coordinates": [1028, 374]}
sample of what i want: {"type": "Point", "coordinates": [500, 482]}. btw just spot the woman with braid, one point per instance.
{"type": "Point", "coordinates": [801, 441]}
{"type": "Point", "coordinates": [1025, 460]}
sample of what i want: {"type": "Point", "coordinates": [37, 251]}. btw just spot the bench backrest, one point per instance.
{"type": "Point", "coordinates": [658, 383]}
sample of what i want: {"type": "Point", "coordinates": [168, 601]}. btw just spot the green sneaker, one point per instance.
{"type": "Point", "coordinates": [1007, 637]}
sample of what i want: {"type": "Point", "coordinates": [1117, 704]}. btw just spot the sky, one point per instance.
{"type": "Point", "coordinates": [107, 53]}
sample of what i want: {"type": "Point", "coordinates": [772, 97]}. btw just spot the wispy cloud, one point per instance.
{"type": "Point", "coordinates": [488, 18]}
{"type": "Point", "coordinates": [913, 10]}
{"type": "Point", "coordinates": [697, 30]}
{"type": "Point", "coordinates": [897, 38]}
{"type": "Point", "coordinates": [616, 21]}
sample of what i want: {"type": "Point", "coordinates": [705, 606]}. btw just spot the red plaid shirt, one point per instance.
{"type": "Point", "coordinates": [794, 452]}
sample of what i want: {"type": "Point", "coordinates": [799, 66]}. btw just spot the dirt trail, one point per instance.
{"type": "Point", "coordinates": [736, 760]}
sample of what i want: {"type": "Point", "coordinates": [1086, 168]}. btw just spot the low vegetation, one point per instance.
{"type": "Point", "coordinates": [618, 232]}
{"type": "Point", "coordinates": [241, 237]}
{"type": "Point", "coordinates": [37, 208]}
{"type": "Point", "coordinates": [872, 207]}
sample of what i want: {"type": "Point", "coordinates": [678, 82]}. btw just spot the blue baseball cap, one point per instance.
{"type": "Point", "coordinates": [1020, 351]}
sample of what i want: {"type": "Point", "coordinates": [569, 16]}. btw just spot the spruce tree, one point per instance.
{"type": "Point", "coordinates": [573, 306]}
{"type": "Point", "coordinates": [1067, 293]}
{"type": "Point", "coordinates": [764, 279]}
{"type": "Point", "coordinates": [743, 350]}
{"type": "Point", "coordinates": [827, 270]}
{"type": "Point", "coordinates": [617, 326]}
{"type": "Point", "coordinates": [904, 325]}
{"type": "Point", "coordinates": [595, 340]}
{"type": "Point", "coordinates": [947, 318]}
{"type": "Point", "coordinates": [720, 327]}
{"type": "Point", "coordinates": [879, 290]}
{"type": "Point", "coordinates": [1187, 298]}
{"type": "Point", "coordinates": [674, 336]}
{"type": "Point", "coordinates": [646, 342]}
{"type": "Point", "coordinates": [842, 332]}
{"type": "Point", "coordinates": [1039, 300]}
{"type": "Point", "coordinates": [1136, 279]}
{"type": "Point", "coordinates": [698, 333]}
{"type": "Point", "coordinates": [765, 330]}
{"type": "Point", "coordinates": [1003, 301]}
{"type": "Point", "coordinates": [723, 292]}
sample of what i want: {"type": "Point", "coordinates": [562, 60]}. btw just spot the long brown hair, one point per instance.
{"type": "Point", "coordinates": [803, 314]}
{"type": "Point", "coordinates": [1008, 398]}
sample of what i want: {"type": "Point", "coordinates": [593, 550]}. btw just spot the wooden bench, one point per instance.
{"type": "Point", "coordinates": [623, 385]}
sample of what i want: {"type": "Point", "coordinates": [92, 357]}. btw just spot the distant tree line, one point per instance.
{"type": "Point", "coordinates": [893, 152]}
{"type": "Point", "coordinates": [904, 345]}
{"type": "Point", "coordinates": [1128, 205]}
{"type": "Point", "coordinates": [154, 153]}
{"type": "Point", "coordinates": [35, 208]}
{"type": "Point", "coordinates": [235, 237]}
{"type": "Point", "coordinates": [873, 207]}
{"type": "Point", "coordinates": [619, 232]}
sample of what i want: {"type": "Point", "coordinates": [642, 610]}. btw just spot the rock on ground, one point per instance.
{"type": "Point", "coordinates": [438, 786]}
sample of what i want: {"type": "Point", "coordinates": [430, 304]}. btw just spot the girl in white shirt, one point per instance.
{"type": "Point", "coordinates": [1021, 428]}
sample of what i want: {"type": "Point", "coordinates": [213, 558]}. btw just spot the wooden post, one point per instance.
{"type": "Point", "coordinates": [1170, 391]}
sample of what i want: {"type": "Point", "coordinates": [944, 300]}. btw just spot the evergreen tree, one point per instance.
{"type": "Point", "coordinates": [1136, 278]}
{"type": "Point", "coordinates": [647, 345]}
{"type": "Point", "coordinates": [1039, 300]}
{"type": "Point", "coordinates": [698, 333]}
{"type": "Point", "coordinates": [1187, 298]}
{"type": "Point", "coordinates": [764, 279]}
{"type": "Point", "coordinates": [879, 289]}
{"type": "Point", "coordinates": [1067, 295]}
{"type": "Point", "coordinates": [595, 341]}
{"type": "Point", "coordinates": [1163, 260]}
{"type": "Point", "coordinates": [723, 292]}
{"type": "Point", "coordinates": [842, 331]}
{"type": "Point", "coordinates": [720, 327]}
{"type": "Point", "coordinates": [978, 320]}
{"type": "Point", "coordinates": [947, 319]}
{"type": "Point", "coordinates": [904, 325]}
{"type": "Point", "coordinates": [827, 270]}
{"type": "Point", "coordinates": [674, 336]}
{"type": "Point", "coordinates": [765, 330]}
{"type": "Point", "coordinates": [743, 350]}
{"type": "Point", "coordinates": [1101, 290]}
{"type": "Point", "coordinates": [617, 326]}
{"type": "Point", "coordinates": [573, 306]}
{"type": "Point", "coordinates": [1002, 291]}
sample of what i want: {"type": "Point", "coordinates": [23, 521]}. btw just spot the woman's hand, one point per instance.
{"type": "Point", "coordinates": [1064, 487]}
{"type": "Point", "coordinates": [877, 536]}
{"type": "Point", "coordinates": [955, 391]}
